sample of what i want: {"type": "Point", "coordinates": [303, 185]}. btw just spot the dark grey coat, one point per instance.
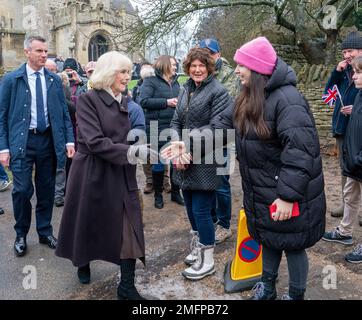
{"type": "Point", "coordinates": [154, 93]}
{"type": "Point", "coordinates": [287, 165]}
{"type": "Point", "coordinates": [352, 144]}
{"type": "Point", "coordinates": [198, 107]}
{"type": "Point", "coordinates": [101, 187]}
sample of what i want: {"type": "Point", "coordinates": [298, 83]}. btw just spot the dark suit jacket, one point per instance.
{"type": "Point", "coordinates": [15, 115]}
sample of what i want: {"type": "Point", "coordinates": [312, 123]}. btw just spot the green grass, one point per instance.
{"type": "Point", "coordinates": [132, 83]}
{"type": "Point", "coordinates": [10, 175]}
{"type": "Point", "coordinates": [182, 79]}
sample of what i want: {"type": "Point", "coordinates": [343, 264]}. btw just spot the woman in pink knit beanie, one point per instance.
{"type": "Point", "coordinates": [279, 157]}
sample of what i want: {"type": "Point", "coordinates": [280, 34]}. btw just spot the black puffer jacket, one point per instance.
{"type": "Point", "coordinates": [288, 166]}
{"type": "Point", "coordinates": [198, 107]}
{"type": "Point", "coordinates": [154, 93]}
{"type": "Point", "coordinates": [352, 145]}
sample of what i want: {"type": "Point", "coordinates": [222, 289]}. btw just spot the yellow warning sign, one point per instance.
{"type": "Point", "coordinates": [246, 267]}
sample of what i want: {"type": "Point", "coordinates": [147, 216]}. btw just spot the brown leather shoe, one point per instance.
{"type": "Point", "coordinates": [167, 187]}
{"type": "Point", "coordinates": [148, 188]}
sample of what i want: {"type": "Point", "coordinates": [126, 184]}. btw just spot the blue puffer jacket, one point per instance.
{"type": "Point", "coordinates": [348, 91]}
{"type": "Point", "coordinates": [15, 115]}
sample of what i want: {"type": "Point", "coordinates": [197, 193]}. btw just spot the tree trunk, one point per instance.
{"type": "Point", "coordinates": [331, 47]}
{"type": "Point", "coordinates": [309, 48]}
{"type": "Point", "coordinates": [312, 50]}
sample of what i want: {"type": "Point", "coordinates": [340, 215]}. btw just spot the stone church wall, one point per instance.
{"type": "Point", "coordinates": [67, 25]}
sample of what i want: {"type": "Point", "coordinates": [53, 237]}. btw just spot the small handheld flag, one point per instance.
{"type": "Point", "coordinates": [331, 96]}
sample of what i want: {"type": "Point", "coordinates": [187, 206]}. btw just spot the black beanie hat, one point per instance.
{"type": "Point", "coordinates": [352, 41]}
{"type": "Point", "coordinates": [70, 63]}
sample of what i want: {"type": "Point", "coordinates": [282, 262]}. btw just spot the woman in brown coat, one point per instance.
{"type": "Point", "coordinates": [102, 216]}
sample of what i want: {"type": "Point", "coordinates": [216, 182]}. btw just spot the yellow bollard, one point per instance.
{"type": "Point", "coordinates": [245, 270]}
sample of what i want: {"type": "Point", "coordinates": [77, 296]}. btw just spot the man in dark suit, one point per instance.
{"type": "Point", "coordinates": [35, 129]}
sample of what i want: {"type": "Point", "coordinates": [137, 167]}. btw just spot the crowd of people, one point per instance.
{"type": "Point", "coordinates": [71, 124]}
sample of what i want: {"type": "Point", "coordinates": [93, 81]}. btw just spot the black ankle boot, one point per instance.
{"type": "Point", "coordinates": [84, 274]}
{"type": "Point", "coordinates": [296, 294]}
{"type": "Point", "coordinates": [159, 201]}
{"type": "Point", "coordinates": [265, 290]}
{"type": "Point", "coordinates": [176, 195]}
{"type": "Point", "coordinates": [126, 289]}
{"type": "Point", "coordinates": [157, 180]}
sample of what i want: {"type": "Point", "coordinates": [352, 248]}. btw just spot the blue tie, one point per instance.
{"type": "Point", "coordinates": [40, 112]}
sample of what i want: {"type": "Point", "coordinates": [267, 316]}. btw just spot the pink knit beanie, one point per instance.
{"type": "Point", "coordinates": [257, 55]}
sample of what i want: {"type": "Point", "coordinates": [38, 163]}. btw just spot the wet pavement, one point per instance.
{"type": "Point", "coordinates": [167, 243]}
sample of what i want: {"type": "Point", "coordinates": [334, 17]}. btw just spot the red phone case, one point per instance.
{"type": "Point", "coordinates": [295, 209]}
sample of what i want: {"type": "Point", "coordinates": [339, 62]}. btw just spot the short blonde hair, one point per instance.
{"type": "Point", "coordinates": [107, 67]}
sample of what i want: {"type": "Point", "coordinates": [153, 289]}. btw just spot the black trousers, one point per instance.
{"type": "Point", "coordinates": [297, 266]}
{"type": "Point", "coordinates": [39, 152]}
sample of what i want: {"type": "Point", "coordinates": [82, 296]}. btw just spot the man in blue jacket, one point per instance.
{"type": "Point", "coordinates": [35, 128]}
{"type": "Point", "coordinates": [342, 77]}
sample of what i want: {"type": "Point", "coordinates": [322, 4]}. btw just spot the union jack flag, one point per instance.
{"type": "Point", "coordinates": [331, 96]}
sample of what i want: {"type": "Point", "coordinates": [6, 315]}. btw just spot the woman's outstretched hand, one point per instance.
{"type": "Point", "coordinates": [174, 150]}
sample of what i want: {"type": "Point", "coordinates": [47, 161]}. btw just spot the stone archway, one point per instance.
{"type": "Point", "coordinates": [98, 45]}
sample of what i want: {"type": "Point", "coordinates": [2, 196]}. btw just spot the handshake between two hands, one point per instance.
{"type": "Point", "coordinates": [176, 153]}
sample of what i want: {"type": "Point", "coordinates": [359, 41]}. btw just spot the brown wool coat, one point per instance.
{"type": "Point", "coordinates": [101, 187]}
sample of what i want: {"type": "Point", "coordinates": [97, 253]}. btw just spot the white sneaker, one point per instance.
{"type": "Point", "coordinates": [5, 184]}
{"type": "Point", "coordinates": [203, 266]}
{"type": "Point", "coordinates": [221, 234]}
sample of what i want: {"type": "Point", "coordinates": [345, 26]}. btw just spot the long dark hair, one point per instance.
{"type": "Point", "coordinates": [249, 106]}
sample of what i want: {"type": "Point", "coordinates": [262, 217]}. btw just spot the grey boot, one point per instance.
{"type": "Point", "coordinates": [192, 257]}
{"type": "Point", "coordinates": [204, 264]}
{"type": "Point", "coordinates": [338, 212]}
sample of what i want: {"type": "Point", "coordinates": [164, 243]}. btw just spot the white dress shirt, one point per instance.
{"type": "Point", "coordinates": [32, 84]}
{"type": "Point", "coordinates": [118, 98]}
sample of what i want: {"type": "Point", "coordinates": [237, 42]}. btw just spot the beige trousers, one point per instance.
{"type": "Point", "coordinates": [352, 201]}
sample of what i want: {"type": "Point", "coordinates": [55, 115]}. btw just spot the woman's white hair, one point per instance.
{"type": "Point", "coordinates": [107, 67]}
